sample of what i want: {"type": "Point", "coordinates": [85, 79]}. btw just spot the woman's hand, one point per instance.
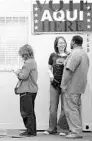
{"type": "Point", "coordinates": [17, 72]}
{"type": "Point", "coordinates": [51, 78]}
{"type": "Point", "coordinates": [50, 73]}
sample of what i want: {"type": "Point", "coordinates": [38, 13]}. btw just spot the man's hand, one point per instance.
{"type": "Point", "coordinates": [64, 88]}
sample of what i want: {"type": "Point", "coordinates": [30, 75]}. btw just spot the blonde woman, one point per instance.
{"type": "Point", "coordinates": [28, 89]}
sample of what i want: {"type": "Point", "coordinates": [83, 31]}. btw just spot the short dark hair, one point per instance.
{"type": "Point", "coordinates": [56, 42]}
{"type": "Point", "coordinates": [78, 40]}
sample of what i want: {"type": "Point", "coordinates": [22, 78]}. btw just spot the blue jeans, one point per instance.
{"type": "Point", "coordinates": [27, 103]}
{"type": "Point", "coordinates": [61, 124]}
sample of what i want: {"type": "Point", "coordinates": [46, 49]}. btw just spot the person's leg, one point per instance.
{"type": "Point", "coordinates": [54, 100]}
{"type": "Point", "coordinates": [62, 125]}
{"type": "Point", "coordinates": [22, 111]}
{"type": "Point", "coordinates": [31, 123]}
{"type": "Point", "coordinates": [27, 112]}
{"type": "Point", "coordinates": [71, 107]}
{"type": "Point", "coordinates": [33, 101]}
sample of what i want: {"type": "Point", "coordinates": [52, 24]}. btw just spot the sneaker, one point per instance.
{"type": "Point", "coordinates": [73, 135]}
{"type": "Point", "coordinates": [46, 132]}
{"type": "Point", "coordinates": [49, 132]}
{"type": "Point", "coordinates": [27, 134]}
{"type": "Point", "coordinates": [62, 134]}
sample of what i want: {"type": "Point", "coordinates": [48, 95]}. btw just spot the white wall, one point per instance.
{"type": "Point", "coordinates": [9, 102]}
{"type": "Point", "coordinates": [87, 97]}
{"type": "Point", "coordinates": [43, 46]}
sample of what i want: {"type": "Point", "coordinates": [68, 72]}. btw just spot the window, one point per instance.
{"type": "Point", "coordinates": [13, 34]}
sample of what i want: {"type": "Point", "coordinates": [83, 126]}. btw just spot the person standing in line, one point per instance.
{"type": "Point", "coordinates": [73, 84]}
{"type": "Point", "coordinates": [56, 66]}
{"type": "Point", "coordinates": [28, 89]}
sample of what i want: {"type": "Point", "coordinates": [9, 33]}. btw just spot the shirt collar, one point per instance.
{"type": "Point", "coordinates": [28, 60]}
{"type": "Point", "coordinates": [78, 47]}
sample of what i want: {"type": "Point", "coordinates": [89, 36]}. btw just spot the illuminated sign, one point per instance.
{"type": "Point", "coordinates": [62, 17]}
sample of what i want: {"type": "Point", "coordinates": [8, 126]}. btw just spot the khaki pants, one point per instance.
{"type": "Point", "coordinates": [72, 104]}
